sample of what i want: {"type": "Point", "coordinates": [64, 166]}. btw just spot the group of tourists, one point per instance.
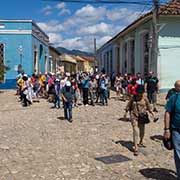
{"type": "Point", "coordinates": [64, 89]}
{"type": "Point", "coordinates": [70, 90]}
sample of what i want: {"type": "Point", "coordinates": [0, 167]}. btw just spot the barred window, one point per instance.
{"type": "Point", "coordinates": [2, 63]}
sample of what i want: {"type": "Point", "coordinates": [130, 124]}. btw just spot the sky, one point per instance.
{"type": "Point", "coordinates": [72, 25]}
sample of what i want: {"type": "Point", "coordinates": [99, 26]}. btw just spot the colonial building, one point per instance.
{"type": "Point", "coordinates": [130, 51]}
{"type": "Point", "coordinates": [54, 60]}
{"type": "Point", "coordinates": [80, 67]}
{"type": "Point", "coordinates": [23, 46]}
{"type": "Point", "coordinates": [69, 63]}
{"type": "Point", "coordinates": [89, 63]}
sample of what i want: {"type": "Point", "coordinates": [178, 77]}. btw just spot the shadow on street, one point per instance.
{"type": "Point", "coordinates": [126, 144]}
{"type": "Point", "coordinates": [158, 174]}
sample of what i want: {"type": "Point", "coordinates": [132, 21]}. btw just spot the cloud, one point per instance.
{"type": "Point", "coordinates": [47, 13]}
{"type": "Point", "coordinates": [55, 38]}
{"type": "Point", "coordinates": [47, 10]}
{"type": "Point", "coordinates": [72, 43]}
{"type": "Point", "coordinates": [91, 13]}
{"type": "Point", "coordinates": [51, 26]}
{"type": "Point", "coordinates": [85, 16]}
{"type": "Point", "coordinates": [61, 5]}
{"type": "Point", "coordinates": [86, 23]}
{"type": "Point", "coordinates": [65, 11]}
{"type": "Point", "coordinates": [96, 29]}
{"type": "Point", "coordinates": [122, 14]}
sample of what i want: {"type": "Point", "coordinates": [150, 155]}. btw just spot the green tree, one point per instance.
{"type": "Point", "coordinates": [3, 70]}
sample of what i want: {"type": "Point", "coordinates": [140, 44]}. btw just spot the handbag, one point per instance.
{"type": "Point", "coordinates": [143, 117]}
{"type": "Point", "coordinates": [168, 143]}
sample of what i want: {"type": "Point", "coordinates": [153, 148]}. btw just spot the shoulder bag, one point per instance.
{"type": "Point", "coordinates": [143, 117]}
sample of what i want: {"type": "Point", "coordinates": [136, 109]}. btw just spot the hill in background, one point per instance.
{"type": "Point", "coordinates": [74, 52]}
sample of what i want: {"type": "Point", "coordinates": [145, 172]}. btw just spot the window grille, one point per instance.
{"type": "Point", "coordinates": [2, 63]}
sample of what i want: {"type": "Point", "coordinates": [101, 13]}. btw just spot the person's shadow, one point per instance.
{"type": "Point", "coordinates": [158, 173]}
{"type": "Point", "coordinates": [157, 138]}
{"type": "Point", "coordinates": [126, 144]}
{"type": "Point", "coordinates": [61, 118]}
{"type": "Point", "coordinates": [124, 119]}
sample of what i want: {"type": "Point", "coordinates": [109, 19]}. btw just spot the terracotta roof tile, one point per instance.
{"type": "Point", "coordinates": [172, 8]}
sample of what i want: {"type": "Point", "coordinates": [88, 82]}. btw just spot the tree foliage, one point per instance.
{"type": "Point", "coordinates": [3, 70]}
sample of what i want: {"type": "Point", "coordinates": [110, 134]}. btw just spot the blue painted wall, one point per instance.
{"type": "Point", "coordinates": [12, 42]}
{"type": "Point", "coordinates": [43, 50]}
{"type": "Point", "coordinates": [12, 56]}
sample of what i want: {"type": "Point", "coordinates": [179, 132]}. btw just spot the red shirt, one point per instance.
{"type": "Point", "coordinates": [132, 89]}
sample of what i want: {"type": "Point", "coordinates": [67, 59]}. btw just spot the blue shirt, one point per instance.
{"type": "Point", "coordinates": [85, 83]}
{"type": "Point", "coordinates": [174, 110]}
{"type": "Point", "coordinates": [103, 84]}
{"type": "Point", "coordinates": [68, 94]}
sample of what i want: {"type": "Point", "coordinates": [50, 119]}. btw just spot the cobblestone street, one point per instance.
{"type": "Point", "coordinates": [37, 144]}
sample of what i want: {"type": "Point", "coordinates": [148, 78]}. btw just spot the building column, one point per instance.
{"type": "Point", "coordinates": [137, 53]}
{"type": "Point", "coordinates": [128, 56]}
{"type": "Point", "coordinates": [116, 59]}
{"type": "Point", "coordinates": [121, 52]}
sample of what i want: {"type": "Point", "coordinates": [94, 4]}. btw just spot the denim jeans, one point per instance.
{"type": "Point", "coordinates": [103, 96]}
{"type": "Point", "coordinates": [68, 110]}
{"type": "Point", "coordinates": [57, 101]}
{"type": "Point", "coordinates": [176, 142]}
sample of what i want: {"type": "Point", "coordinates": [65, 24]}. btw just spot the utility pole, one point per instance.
{"type": "Point", "coordinates": [154, 46]}
{"type": "Point", "coordinates": [95, 54]}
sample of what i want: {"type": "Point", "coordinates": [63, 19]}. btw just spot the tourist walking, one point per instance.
{"type": "Point", "coordinates": [125, 83]}
{"type": "Point", "coordinates": [67, 96]}
{"type": "Point", "coordinates": [118, 85]}
{"type": "Point", "coordinates": [104, 90]}
{"type": "Point", "coordinates": [138, 107]}
{"type": "Point", "coordinates": [92, 89]}
{"type": "Point", "coordinates": [85, 87]}
{"type": "Point", "coordinates": [152, 89]}
{"type": "Point", "coordinates": [57, 94]}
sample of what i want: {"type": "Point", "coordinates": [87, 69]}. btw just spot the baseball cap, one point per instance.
{"type": "Point", "coordinates": [68, 83]}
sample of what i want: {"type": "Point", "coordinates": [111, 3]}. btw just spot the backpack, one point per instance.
{"type": "Point", "coordinates": [140, 88]}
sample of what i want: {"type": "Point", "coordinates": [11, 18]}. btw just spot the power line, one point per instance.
{"type": "Point", "coordinates": [103, 2]}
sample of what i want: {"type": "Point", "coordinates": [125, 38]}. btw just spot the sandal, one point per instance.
{"type": "Point", "coordinates": [136, 153]}
{"type": "Point", "coordinates": [141, 145]}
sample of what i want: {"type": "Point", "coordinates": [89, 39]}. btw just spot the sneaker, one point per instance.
{"type": "Point", "coordinates": [70, 120]}
{"type": "Point", "coordinates": [86, 105]}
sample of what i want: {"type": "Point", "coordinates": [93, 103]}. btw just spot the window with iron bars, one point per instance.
{"type": "Point", "coordinates": [2, 67]}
